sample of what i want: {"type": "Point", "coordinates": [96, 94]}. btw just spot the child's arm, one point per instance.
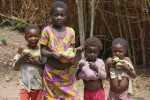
{"type": "Point", "coordinates": [84, 72]}
{"type": "Point", "coordinates": [72, 55]}
{"type": "Point", "coordinates": [47, 53]}
{"type": "Point", "coordinates": [44, 41]}
{"type": "Point", "coordinates": [93, 71]}
{"type": "Point", "coordinates": [101, 69]}
{"type": "Point", "coordinates": [109, 64]}
{"type": "Point", "coordinates": [31, 60]}
{"type": "Point", "coordinates": [63, 59]}
{"type": "Point", "coordinates": [93, 67]}
{"type": "Point", "coordinates": [128, 66]}
{"type": "Point", "coordinates": [78, 55]}
{"type": "Point", "coordinates": [18, 60]}
{"type": "Point", "coordinates": [79, 70]}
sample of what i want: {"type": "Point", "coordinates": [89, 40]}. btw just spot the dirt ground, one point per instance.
{"type": "Point", "coordinates": [9, 79]}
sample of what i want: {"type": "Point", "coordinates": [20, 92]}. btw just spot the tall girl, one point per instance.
{"type": "Point", "coordinates": [57, 47]}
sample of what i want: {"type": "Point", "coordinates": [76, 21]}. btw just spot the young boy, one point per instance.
{"type": "Point", "coordinates": [92, 70]}
{"type": "Point", "coordinates": [120, 71]}
{"type": "Point", "coordinates": [28, 61]}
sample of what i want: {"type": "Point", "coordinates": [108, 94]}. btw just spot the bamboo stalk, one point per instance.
{"type": "Point", "coordinates": [118, 18]}
{"type": "Point", "coordinates": [130, 34]}
{"type": "Point", "coordinates": [147, 5]}
{"type": "Point", "coordinates": [142, 37]}
{"type": "Point", "coordinates": [3, 3]}
{"type": "Point", "coordinates": [86, 15]}
{"type": "Point", "coordinates": [11, 7]}
{"type": "Point", "coordinates": [81, 21]}
{"type": "Point", "coordinates": [92, 16]}
{"type": "Point", "coordinates": [105, 22]}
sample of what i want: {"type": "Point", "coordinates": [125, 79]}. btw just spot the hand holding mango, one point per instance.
{"type": "Point", "coordinates": [26, 52]}
{"type": "Point", "coordinates": [69, 54]}
{"type": "Point", "coordinates": [117, 61]}
{"type": "Point", "coordinates": [31, 54]}
{"type": "Point", "coordinates": [21, 53]}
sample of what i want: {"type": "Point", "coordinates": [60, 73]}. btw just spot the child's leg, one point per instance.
{"type": "Point", "coordinates": [40, 95]}
{"type": "Point", "coordinates": [24, 95]}
{"type": "Point", "coordinates": [36, 95]}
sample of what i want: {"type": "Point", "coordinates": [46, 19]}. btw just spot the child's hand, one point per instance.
{"type": "Point", "coordinates": [30, 59]}
{"type": "Point", "coordinates": [20, 50]}
{"type": "Point", "coordinates": [56, 55]}
{"type": "Point", "coordinates": [27, 57]}
{"type": "Point", "coordinates": [115, 59]}
{"type": "Point", "coordinates": [117, 62]}
{"type": "Point", "coordinates": [79, 49]}
{"type": "Point", "coordinates": [109, 62]}
{"type": "Point", "coordinates": [61, 58]}
{"type": "Point", "coordinates": [81, 65]}
{"type": "Point", "coordinates": [93, 66]}
{"type": "Point", "coordinates": [125, 66]}
{"type": "Point", "coordinates": [69, 53]}
{"type": "Point", "coordinates": [66, 59]}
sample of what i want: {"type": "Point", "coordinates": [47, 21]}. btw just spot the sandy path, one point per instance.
{"type": "Point", "coordinates": [9, 85]}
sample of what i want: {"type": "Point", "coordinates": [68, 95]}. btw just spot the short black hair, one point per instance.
{"type": "Point", "coordinates": [29, 27]}
{"type": "Point", "coordinates": [94, 41]}
{"type": "Point", "coordinates": [58, 4]}
{"type": "Point", "coordinates": [120, 41]}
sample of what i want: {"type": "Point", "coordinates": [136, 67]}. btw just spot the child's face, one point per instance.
{"type": "Point", "coordinates": [32, 37]}
{"type": "Point", "coordinates": [91, 53]}
{"type": "Point", "coordinates": [59, 16]}
{"type": "Point", "coordinates": [118, 50]}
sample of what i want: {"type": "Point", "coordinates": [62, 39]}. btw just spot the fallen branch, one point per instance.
{"type": "Point", "coordinates": [12, 18]}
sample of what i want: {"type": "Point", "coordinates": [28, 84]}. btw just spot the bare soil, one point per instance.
{"type": "Point", "coordinates": [9, 79]}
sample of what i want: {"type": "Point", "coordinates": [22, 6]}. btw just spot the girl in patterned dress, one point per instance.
{"type": "Point", "coordinates": [57, 48]}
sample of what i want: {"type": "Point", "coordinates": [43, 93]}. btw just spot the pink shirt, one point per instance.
{"type": "Point", "coordinates": [88, 74]}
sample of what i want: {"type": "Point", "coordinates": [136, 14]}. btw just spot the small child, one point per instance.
{"type": "Point", "coordinates": [92, 70]}
{"type": "Point", "coordinates": [28, 61]}
{"type": "Point", "coordinates": [120, 71]}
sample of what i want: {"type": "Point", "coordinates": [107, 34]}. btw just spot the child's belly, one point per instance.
{"type": "Point", "coordinates": [119, 86]}
{"type": "Point", "coordinates": [93, 84]}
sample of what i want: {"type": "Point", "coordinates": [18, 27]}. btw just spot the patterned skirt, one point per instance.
{"type": "Point", "coordinates": [59, 84]}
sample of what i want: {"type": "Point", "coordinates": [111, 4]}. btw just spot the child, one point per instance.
{"type": "Point", "coordinates": [28, 61]}
{"type": "Point", "coordinates": [57, 46]}
{"type": "Point", "coordinates": [92, 70]}
{"type": "Point", "coordinates": [120, 71]}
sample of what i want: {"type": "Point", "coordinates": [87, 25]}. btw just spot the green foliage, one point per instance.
{"type": "Point", "coordinates": [3, 40]}
{"type": "Point", "coordinates": [15, 24]}
{"type": "Point", "coordinates": [20, 25]}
